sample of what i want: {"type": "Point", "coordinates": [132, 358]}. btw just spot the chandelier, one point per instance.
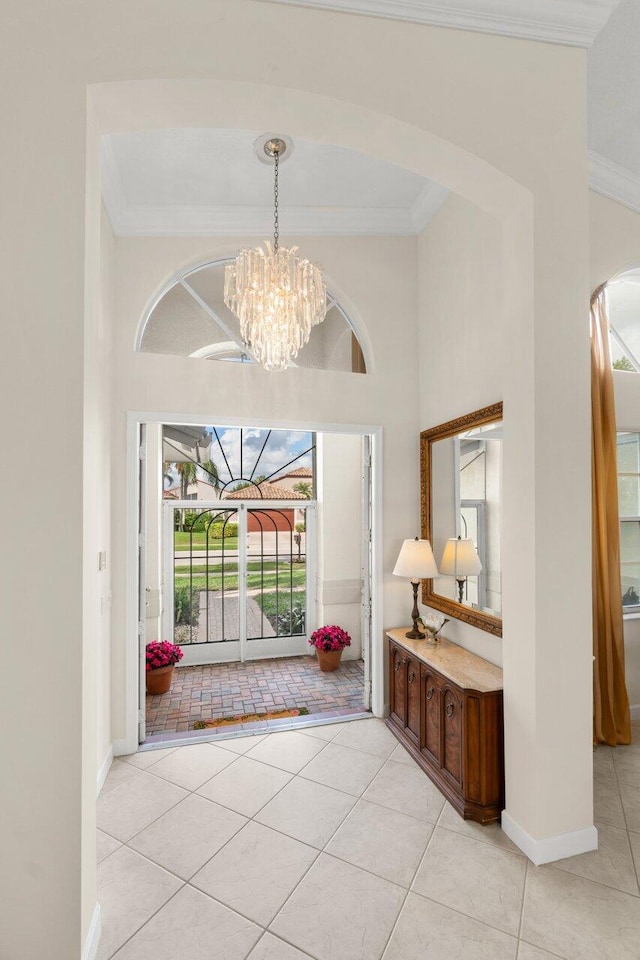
{"type": "Point", "coordinates": [276, 295]}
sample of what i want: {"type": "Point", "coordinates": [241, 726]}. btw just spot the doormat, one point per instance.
{"type": "Point", "coordinates": [250, 718]}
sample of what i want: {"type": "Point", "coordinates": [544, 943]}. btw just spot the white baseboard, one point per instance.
{"type": "Point", "coordinates": [635, 712]}
{"type": "Point", "coordinates": [104, 768]}
{"type": "Point", "coordinates": [550, 849]}
{"type": "Point", "coordinates": [122, 748]}
{"type": "Point", "coordinates": [90, 948]}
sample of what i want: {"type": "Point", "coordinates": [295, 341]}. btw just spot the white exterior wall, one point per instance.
{"type": "Point", "coordinates": [506, 130]}
{"type": "Point", "coordinates": [340, 527]}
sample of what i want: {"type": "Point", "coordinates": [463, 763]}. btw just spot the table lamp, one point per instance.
{"type": "Point", "coordinates": [460, 560]}
{"type": "Point", "coordinates": [416, 562]}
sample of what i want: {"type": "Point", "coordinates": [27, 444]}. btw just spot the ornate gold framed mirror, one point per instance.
{"type": "Point", "coordinates": [460, 500]}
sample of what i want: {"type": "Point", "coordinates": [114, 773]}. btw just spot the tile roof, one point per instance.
{"type": "Point", "coordinates": [263, 491]}
{"type": "Point", "coordinates": [300, 472]}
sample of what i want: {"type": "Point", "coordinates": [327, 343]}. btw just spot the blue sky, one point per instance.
{"type": "Point", "coordinates": [282, 446]}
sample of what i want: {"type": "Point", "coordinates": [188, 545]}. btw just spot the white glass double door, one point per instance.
{"type": "Point", "coordinates": [239, 579]}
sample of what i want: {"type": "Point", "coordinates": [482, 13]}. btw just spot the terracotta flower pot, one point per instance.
{"type": "Point", "coordinates": [159, 681]}
{"type": "Point", "coordinates": [328, 659]}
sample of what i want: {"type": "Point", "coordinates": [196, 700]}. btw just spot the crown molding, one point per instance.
{"type": "Point", "coordinates": [611, 180]}
{"type": "Point", "coordinates": [130, 220]}
{"type": "Point", "coordinates": [571, 22]}
{"type": "Point", "coordinates": [427, 205]}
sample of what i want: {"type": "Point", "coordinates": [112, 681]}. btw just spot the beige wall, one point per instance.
{"type": "Point", "coordinates": [474, 353]}
{"type": "Point", "coordinates": [463, 340]}
{"type": "Point", "coordinates": [98, 491]}
{"type": "Point", "coordinates": [615, 247]}
{"type": "Point", "coordinates": [506, 130]}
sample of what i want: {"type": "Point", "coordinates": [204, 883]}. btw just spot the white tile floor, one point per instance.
{"type": "Point", "coordinates": [331, 844]}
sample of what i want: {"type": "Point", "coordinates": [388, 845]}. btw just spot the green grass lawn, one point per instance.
{"type": "Point", "coordinates": [182, 542]}
{"type": "Point", "coordinates": [278, 608]}
{"type": "Point", "coordinates": [267, 601]}
{"type": "Point", "coordinates": [231, 566]}
{"type": "Point", "coordinates": [254, 579]}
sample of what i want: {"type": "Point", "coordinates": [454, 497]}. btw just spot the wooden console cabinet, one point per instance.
{"type": "Point", "coordinates": [446, 709]}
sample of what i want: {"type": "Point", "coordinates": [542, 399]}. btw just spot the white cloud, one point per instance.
{"type": "Point", "coordinates": [281, 448]}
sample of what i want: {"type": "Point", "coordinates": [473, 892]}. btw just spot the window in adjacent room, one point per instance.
{"type": "Point", "coordinates": [629, 509]}
{"type": "Point", "coordinates": [623, 302]}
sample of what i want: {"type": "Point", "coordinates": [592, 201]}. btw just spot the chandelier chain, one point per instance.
{"type": "Point", "coordinates": [276, 224]}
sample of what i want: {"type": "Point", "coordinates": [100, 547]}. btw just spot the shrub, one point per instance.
{"type": "Point", "coordinates": [292, 622]}
{"type": "Point", "coordinates": [186, 604]}
{"type": "Point", "coordinates": [218, 530]}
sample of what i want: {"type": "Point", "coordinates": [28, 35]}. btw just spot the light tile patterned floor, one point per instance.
{"type": "Point", "coordinates": [330, 844]}
{"type": "Point", "coordinates": [222, 690]}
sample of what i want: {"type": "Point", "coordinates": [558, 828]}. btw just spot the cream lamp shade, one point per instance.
{"type": "Point", "coordinates": [460, 559]}
{"type": "Point", "coordinates": [416, 561]}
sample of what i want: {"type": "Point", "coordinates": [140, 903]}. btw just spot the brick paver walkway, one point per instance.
{"type": "Point", "coordinates": [222, 690]}
{"type": "Point", "coordinates": [212, 615]}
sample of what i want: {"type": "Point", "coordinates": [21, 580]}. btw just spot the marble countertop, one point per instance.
{"type": "Point", "coordinates": [454, 662]}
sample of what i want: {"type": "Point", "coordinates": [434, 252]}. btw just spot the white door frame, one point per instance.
{"type": "Point", "coordinates": [129, 743]}
{"type": "Point", "coordinates": [245, 648]}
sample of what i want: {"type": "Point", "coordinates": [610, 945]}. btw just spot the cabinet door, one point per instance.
{"type": "Point", "coordinates": [397, 685]}
{"type": "Point", "coordinates": [430, 740]}
{"type": "Point", "coordinates": [413, 699]}
{"type": "Point", "coordinates": [452, 739]}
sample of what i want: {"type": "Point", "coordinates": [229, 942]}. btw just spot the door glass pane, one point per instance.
{"type": "Point", "coordinates": [630, 566]}
{"type": "Point", "coordinates": [628, 453]}
{"type": "Point", "coordinates": [469, 521]}
{"type": "Point", "coordinates": [205, 559]}
{"type": "Point", "coordinates": [472, 469]}
{"type": "Point", "coordinates": [628, 495]}
{"type": "Point", "coordinates": [276, 573]}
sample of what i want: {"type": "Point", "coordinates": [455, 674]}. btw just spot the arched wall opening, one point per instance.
{"type": "Point", "coordinates": [389, 401]}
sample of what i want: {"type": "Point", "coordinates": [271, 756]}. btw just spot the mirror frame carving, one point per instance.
{"type": "Point", "coordinates": [484, 621]}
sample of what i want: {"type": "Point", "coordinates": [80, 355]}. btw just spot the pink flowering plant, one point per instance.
{"type": "Point", "coordinates": [162, 653]}
{"type": "Point", "coordinates": [330, 638]}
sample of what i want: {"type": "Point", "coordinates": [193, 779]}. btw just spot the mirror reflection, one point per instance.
{"type": "Point", "coordinates": [465, 507]}
{"type": "Point", "coordinates": [460, 493]}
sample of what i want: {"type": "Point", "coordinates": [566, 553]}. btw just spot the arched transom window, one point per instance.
{"type": "Point", "coordinates": [190, 319]}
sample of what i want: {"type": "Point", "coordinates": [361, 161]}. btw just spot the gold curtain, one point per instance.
{"type": "Point", "coordinates": [611, 717]}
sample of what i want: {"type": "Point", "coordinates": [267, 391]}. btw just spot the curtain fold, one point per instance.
{"type": "Point", "coordinates": [611, 717]}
